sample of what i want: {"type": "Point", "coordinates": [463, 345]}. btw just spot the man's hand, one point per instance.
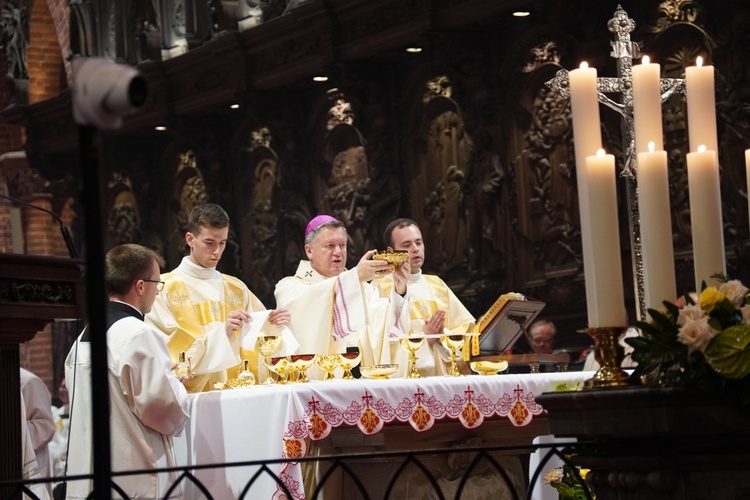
{"type": "Point", "coordinates": [368, 269]}
{"type": "Point", "coordinates": [181, 378]}
{"type": "Point", "coordinates": [434, 326]}
{"type": "Point", "coordinates": [400, 277]}
{"type": "Point", "coordinates": [279, 317]}
{"type": "Point", "coordinates": [235, 321]}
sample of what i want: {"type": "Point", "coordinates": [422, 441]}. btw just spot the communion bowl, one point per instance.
{"type": "Point", "coordinates": [488, 367]}
{"type": "Point", "coordinates": [395, 257]}
{"type": "Point", "coordinates": [378, 371]}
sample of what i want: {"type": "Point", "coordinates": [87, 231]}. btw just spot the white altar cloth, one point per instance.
{"type": "Point", "coordinates": [279, 421]}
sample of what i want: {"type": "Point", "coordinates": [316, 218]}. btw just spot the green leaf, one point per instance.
{"type": "Point", "coordinates": [729, 352]}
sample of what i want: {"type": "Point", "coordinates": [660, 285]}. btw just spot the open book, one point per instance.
{"type": "Point", "coordinates": [501, 326]}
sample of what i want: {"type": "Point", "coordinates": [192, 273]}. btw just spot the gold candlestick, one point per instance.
{"type": "Point", "coordinates": [609, 354]}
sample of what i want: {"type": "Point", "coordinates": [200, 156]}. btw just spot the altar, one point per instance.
{"type": "Point", "coordinates": [295, 420]}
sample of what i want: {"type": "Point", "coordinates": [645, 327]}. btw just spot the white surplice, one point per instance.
{"type": "Point", "coordinates": [41, 424]}
{"type": "Point", "coordinates": [148, 405]}
{"type": "Point", "coordinates": [427, 295]}
{"type": "Point", "coordinates": [192, 311]}
{"type": "Point", "coordinates": [330, 314]}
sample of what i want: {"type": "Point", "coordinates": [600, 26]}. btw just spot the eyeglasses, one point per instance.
{"type": "Point", "coordinates": [159, 284]}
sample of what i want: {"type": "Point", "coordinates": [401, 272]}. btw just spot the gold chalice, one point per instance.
{"type": "Point", "coordinates": [328, 362]}
{"type": "Point", "coordinates": [280, 366]}
{"type": "Point", "coordinates": [267, 345]}
{"type": "Point", "coordinates": [454, 343]}
{"type": "Point", "coordinates": [301, 362]}
{"type": "Point", "coordinates": [347, 361]}
{"type": "Point", "coordinates": [413, 344]}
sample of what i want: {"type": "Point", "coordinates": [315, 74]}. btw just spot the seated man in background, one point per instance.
{"type": "Point", "coordinates": [333, 308]}
{"type": "Point", "coordinates": [542, 335]}
{"type": "Point", "coordinates": [201, 309]}
{"type": "Point", "coordinates": [434, 308]}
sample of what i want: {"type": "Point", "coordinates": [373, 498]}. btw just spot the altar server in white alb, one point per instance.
{"type": "Point", "coordinates": [202, 310]}
{"type": "Point", "coordinates": [333, 308]}
{"type": "Point", "coordinates": [41, 424]}
{"type": "Point", "coordinates": [147, 402]}
{"type": "Point", "coordinates": [434, 308]}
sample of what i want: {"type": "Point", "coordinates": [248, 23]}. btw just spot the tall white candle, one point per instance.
{"type": "Point", "coordinates": [647, 106]}
{"type": "Point", "coordinates": [705, 216]}
{"type": "Point", "coordinates": [587, 139]}
{"type": "Point", "coordinates": [701, 106]}
{"type": "Point", "coordinates": [656, 229]}
{"type": "Point", "coordinates": [606, 261]}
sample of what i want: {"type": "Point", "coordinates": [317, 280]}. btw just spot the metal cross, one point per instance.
{"type": "Point", "coordinates": [624, 50]}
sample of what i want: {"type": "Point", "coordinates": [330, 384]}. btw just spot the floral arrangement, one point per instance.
{"type": "Point", "coordinates": [568, 481]}
{"type": "Point", "coordinates": [702, 341]}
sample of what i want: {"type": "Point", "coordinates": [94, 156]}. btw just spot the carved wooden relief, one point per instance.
{"type": "Point", "coordinates": [124, 218]}
{"type": "Point", "coordinates": [257, 208]}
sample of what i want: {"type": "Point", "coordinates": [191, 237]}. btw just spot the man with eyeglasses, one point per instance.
{"type": "Point", "coordinates": [147, 402]}
{"type": "Point", "coordinates": [202, 310]}
{"type": "Point", "coordinates": [542, 335]}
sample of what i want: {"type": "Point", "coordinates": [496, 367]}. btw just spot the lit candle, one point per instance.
{"type": "Point", "coordinates": [705, 216]}
{"type": "Point", "coordinates": [587, 140]}
{"type": "Point", "coordinates": [606, 264]}
{"type": "Point", "coordinates": [656, 228]}
{"type": "Point", "coordinates": [701, 106]}
{"type": "Point", "coordinates": [647, 106]}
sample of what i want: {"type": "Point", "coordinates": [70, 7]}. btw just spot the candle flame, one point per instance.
{"type": "Point", "coordinates": [699, 61]}
{"type": "Point", "coordinates": [584, 65]}
{"type": "Point", "coordinates": [651, 146]}
{"type": "Point", "coordinates": [701, 148]}
{"type": "Point", "coordinates": [645, 60]}
{"type": "Point", "coordinates": [600, 153]}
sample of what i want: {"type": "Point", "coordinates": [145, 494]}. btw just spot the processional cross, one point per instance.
{"type": "Point", "coordinates": [624, 50]}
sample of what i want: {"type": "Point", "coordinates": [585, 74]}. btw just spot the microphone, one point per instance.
{"type": "Point", "coordinates": [63, 229]}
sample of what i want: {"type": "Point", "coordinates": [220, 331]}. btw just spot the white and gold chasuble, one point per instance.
{"type": "Point", "coordinates": [427, 295]}
{"type": "Point", "coordinates": [192, 310]}
{"type": "Point", "coordinates": [331, 314]}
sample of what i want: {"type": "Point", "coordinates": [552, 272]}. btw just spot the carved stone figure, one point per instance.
{"type": "Point", "coordinates": [14, 20]}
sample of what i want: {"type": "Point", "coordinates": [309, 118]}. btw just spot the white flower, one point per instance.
{"type": "Point", "coordinates": [745, 310]}
{"type": "Point", "coordinates": [690, 313]}
{"type": "Point", "coordinates": [553, 476]}
{"type": "Point", "coordinates": [735, 291]}
{"type": "Point", "coordinates": [697, 334]}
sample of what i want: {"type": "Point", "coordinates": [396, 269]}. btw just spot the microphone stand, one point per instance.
{"type": "Point", "coordinates": [63, 228]}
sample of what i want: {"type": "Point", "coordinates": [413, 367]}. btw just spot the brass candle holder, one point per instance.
{"type": "Point", "coordinates": [609, 354]}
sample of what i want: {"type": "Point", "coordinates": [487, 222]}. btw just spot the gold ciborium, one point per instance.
{"type": "Point", "coordinates": [267, 346]}
{"type": "Point", "coordinates": [328, 362]}
{"type": "Point", "coordinates": [300, 363]}
{"type": "Point", "coordinates": [280, 366]}
{"type": "Point", "coordinates": [413, 344]}
{"type": "Point", "coordinates": [454, 344]}
{"type": "Point", "coordinates": [609, 354]}
{"type": "Point", "coordinates": [347, 361]}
